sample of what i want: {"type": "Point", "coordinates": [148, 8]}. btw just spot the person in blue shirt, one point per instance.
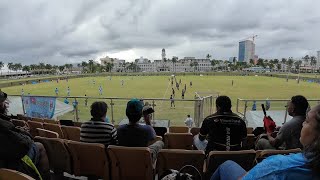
{"type": "Point", "coordinates": [56, 91]}
{"type": "Point", "coordinates": [135, 135]}
{"type": "Point", "coordinates": [305, 165]}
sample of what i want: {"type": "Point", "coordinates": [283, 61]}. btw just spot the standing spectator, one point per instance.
{"type": "Point", "coordinates": [225, 130]}
{"type": "Point", "coordinates": [254, 106]}
{"type": "Point", "coordinates": [172, 102]}
{"type": "Point", "coordinates": [56, 91]}
{"type": "Point", "coordinates": [182, 94]}
{"type": "Point", "coordinates": [97, 130]}
{"type": "Point", "coordinates": [68, 91]}
{"type": "Point", "coordinates": [135, 135]}
{"type": "Point", "coordinates": [189, 121]}
{"type": "Point", "coordinates": [85, 100]}
{"type": "Point", "coordinates": [100, 90]}
{"type": "Point", "coordinates": [289, 134]}
{"type": "Point", "coordinates": [75, 104]}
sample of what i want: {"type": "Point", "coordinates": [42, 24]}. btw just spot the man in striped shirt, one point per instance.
{"type": "Point", "coordinates": [97, 130]}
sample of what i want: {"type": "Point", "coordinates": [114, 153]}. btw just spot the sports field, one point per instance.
{"type": "Point", "coordinates": [246, 87]}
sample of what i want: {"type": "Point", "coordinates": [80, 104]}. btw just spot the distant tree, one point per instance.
{"type": "Point", "coordinates": [174, 61]}
{"type": "Point", "coordinates": [234, 60]}
{"type": "Point", "coordinates": [306, 59]}
{"type": "Point", "coordinates": [91, 64]}
{"type": "Point", "coordinates": [61, 68]}
{"type": "Point", "coordinates": [208, 56]}
{"type": "Point", "coordinates": [1, 66]}
{"type": "Point", "coordinates": [261, 62]}
{"type": "Point", "coordinates": [297, 64]}
{"type": "Point", "coordinates": [251, 61]}
{"type": "Point", "coordinates": [290, 63]}
{"type": "Point", "coordinates": [26, 68]}
{"type": "Point", "coordinates": [214, 63]}
{"type": "Point", "coordinates": [313, 61]}
{"type": "Point", "coordinates": [10, 66]}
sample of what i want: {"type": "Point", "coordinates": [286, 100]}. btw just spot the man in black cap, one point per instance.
{"type": "Point", "coordinates": [134, 134]}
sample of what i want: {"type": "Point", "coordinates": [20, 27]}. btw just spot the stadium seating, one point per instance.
{"type": "Point", "coordinates": [177, 158]}
{"type": "Point", "coordinates": [50, 121]}
{"type": "Point", "coordinates": [12, 174]}
{"type": "Point", "coordinates": [33, 125]}
{"type": "Point", "coordinates": [89, 159]}
{"type": "Point", "coordinates": [20, 123]}
{"type": "Point", "coordinates": [40, 120]}
{"type": "Point", "coordinates": [71, 133]}
{"type": "Point", "coordinates": [262, 154]}
{"type": "Point", "coordinates": [53, 127]}
{"type": "Point", "coordinates": [178, 129]}
{"type": "Point", "coordinates": [178, 141]}
{"type": "Point", "coordinates": [160, 131]}
{"type": "Point", "coordinates": [194, 131]}
{"type": "Point", "coordinates": [130, 163]}
{"type": "Point", "coordinates": [58, 154]}
{"type": "Point", "coordinates": [245, 159]}
{"type": "Point", "coordinates": [47, 133]}
{"type": "Point", "coordinates": [77, 124]}
{"type": "Point", "coordinates": [249, 142]}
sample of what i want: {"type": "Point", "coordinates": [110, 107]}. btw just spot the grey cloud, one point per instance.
{"type": "Point", "coordinates": [70, 31]}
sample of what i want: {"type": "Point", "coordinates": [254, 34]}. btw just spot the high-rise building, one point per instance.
{"type": "Point", "coordinates": [246, 51]}
{"type": "Point", "coordinates": [318, 59]}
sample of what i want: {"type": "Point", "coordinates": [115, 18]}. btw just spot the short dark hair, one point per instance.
{"type": "Point", "coordinates": [188, 115]}
{"type": "Point", "coordinates": [300, 105]}
{"type": "Point", "coordinates": [98, 109]}
{"type": "Point", "coordinates": [134, 110]}
{"type": "Point", "coordinates": [224, 103]}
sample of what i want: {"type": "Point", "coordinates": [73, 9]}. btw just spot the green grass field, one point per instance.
{"type": "Point", "coordinates": [246, 87]}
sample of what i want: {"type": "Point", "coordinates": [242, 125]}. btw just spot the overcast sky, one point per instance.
{"type": "Point", "coordinates": [69, 31]}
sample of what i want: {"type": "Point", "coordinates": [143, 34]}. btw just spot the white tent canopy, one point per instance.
{"type": "Point", "coordinates": [255, 118]}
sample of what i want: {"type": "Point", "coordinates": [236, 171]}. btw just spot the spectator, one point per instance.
{"type": "Point", "coordinates": [289, 134]}
{"type": "Point", "coordinates": [189, 121]}
{"type": "Point", "coordinates": [304, 165]}
{"type": "Point", "coordinates": [135, 135]}
{"type": "Point", "coordinates": [225, 129]}
{"type": "Point", "coordinates": [147, 114]}
{"type": "Point", "coordinates": [17, 146]}
{"type": "Point", "coordinates": [98, 130]}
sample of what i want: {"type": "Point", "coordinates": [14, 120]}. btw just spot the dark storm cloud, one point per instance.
{"type": "Point", "coordinates": [75, 30]}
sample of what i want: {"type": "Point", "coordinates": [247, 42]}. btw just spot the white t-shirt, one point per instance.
{"type": "Point", "coordinates": [189, 122]}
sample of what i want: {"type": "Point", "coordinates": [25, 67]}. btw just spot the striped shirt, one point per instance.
{"type": "Point", "coordinates": [98, 132]}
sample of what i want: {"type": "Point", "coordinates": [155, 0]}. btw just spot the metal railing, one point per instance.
{"type": "Point", "coordinates": [277, 104]}
{"type": "Point", "coordinates": [201, 107]}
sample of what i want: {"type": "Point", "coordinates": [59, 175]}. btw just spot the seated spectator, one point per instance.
{"type": "Point", "coordinates": [289, 134]}
{"type": "Point", "coordinates": [188, 122]}
{"type": "Point", "coordinates": [98, 130]}
{"type": "Point", "coordinates": [17, 147]}
{"type": "Point", "coordinates": [225, 130]}
{"type": "Point", "coordinates": [304, 165]}
{"type": "Point", "coordinates": [135, 135]}
{"type": "Point", "coordinates": [147, 114]}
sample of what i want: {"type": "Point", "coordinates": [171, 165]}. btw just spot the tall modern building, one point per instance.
{"type": "Point", "coordinates": [246, 51]}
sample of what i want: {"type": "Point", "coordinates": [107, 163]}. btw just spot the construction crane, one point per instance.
{"type": "Point", "coordinates": [253, 37]}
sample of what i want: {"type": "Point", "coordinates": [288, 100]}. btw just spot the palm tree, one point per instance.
{"type": "Point", "coordinates": [313, 61]}
{"type": "Point", "coordinates": [91, 65]}
{"type": "Point", "coordinates": [251, 62]}
{"type": "Point", "coordinates": [283, 61]}
{"type": "Point", "coordinates": [208, 56]}
{"type": "Point", "coordinates": [261, 62]}
{"type": "Point", "coordinates": [174, 61]}
{"type": "Point", "coordinates": [1, 66]}
{"type": "Point", "coordinates": [306, 59]}
{"type": "Point", "coordinates": [9, 65]}
{"type": "Point", "coordinates": [26, 68]}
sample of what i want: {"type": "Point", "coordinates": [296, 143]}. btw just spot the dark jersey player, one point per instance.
{"type": "Point", "coordinates": [224, 130]}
